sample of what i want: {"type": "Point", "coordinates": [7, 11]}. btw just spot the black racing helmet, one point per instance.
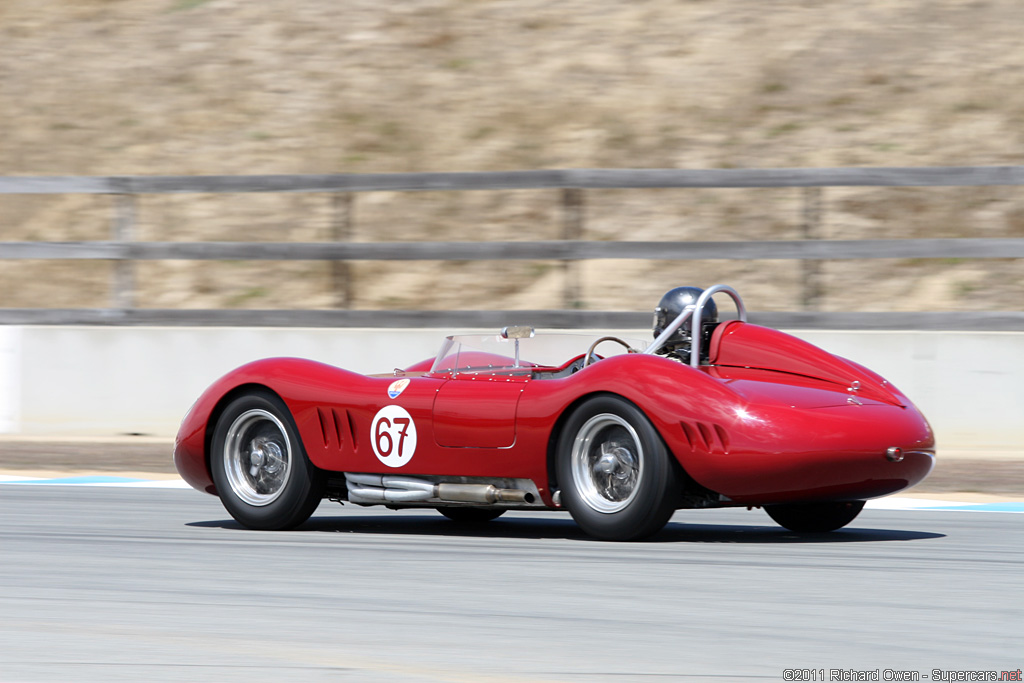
{"type": "Point", "coordinates": [671, 305]}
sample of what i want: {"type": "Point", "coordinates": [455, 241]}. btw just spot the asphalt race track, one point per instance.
{"type": "Point", "coordinates": [132, 584]}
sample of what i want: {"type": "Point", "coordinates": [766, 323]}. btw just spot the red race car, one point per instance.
{"type": "Point", "coordinates": [620, 433]}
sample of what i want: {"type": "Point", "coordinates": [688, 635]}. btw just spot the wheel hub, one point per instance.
{"type": "Point", "coordinates": [265, 455]}
{"type": "Point", "coordinates": [256, 457]}
{"type": "Point", "coordinates": [606, 462]}
{"type": "Point", "coordinates": [615, 460]}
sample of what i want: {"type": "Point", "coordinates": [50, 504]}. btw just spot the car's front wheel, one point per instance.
{"type": "Point", "coordinates": [260, 469]}
{"type": "Point", "coordinates": [815, 517]}
{"type": "Point", "coordinates": [614, 471]}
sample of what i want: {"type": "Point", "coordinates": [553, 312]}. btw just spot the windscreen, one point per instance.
{"type": "Point", "coordinates": [494, 353]}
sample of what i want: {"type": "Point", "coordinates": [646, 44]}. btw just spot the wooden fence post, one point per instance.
{"type": "Point", "coordinates": [572, 229]}
{"type": "Point", "coordinates": [123, 229]}
{"type": "Point", "coordinates": [341, 228]}
{"type": "Point", "coordinates": [812, 293]}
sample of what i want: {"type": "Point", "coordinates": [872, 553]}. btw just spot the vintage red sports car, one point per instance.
{"type": "Point", "coordinates": [619, 433]}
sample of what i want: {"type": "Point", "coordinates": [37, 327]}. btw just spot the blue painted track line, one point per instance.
{"type": "Point", "coordinates": [96, 480]}
{"type": "Point", "coordinates": [903, 503]}
{"type": "Point", "coordinates": [1009, 506]}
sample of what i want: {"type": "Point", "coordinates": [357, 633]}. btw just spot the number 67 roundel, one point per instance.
{"type": "Point", "coordinates": [393, 436]}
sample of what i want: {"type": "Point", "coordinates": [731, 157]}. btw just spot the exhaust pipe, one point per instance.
{"type": "Point", "coordinates": [369, 494]}
{"type": "Point", "coordinates": [376, 488]}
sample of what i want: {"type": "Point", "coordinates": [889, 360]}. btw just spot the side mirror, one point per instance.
{"type": "Point", "coordinates": [517, 332]}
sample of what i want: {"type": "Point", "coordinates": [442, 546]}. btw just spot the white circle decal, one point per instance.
{"type": "Point", "coordinates": [393, 436]}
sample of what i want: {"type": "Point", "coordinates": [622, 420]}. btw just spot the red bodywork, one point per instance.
{"type": "Point", "coordinates": [771, 419]}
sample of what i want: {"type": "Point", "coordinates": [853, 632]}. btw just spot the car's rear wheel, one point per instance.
{"type": "Point", "coordinates": [815, 517]}
{"type": "Point", "coordinates": [471, 515]}
{"type": "Point", "coordinates": [614, 471]}
{"type": "Point", "coordinates": [260, 469]}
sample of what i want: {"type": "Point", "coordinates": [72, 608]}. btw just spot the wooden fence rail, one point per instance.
{"type": "Point", "coordinates": [583, 179]}
{"type": "Point", "coordinates": [571, 248]}
{"type": "Point", "coordinates": [555, 250]}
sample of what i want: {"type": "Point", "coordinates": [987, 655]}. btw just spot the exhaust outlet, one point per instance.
{"type": "Point", "coordinates": [482, 493]}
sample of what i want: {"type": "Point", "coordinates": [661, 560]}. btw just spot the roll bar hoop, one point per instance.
{"type": "Point", "coordinates": [696, 311]}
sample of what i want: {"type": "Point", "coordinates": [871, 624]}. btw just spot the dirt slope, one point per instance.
{"type": "Point", "coordinates": [320, 86]}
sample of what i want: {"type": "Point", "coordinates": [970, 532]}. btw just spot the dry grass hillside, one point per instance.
{"type": "Point", "coordinates": [111, 87]}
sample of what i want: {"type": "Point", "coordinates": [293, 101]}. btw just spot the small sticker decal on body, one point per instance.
{"type": "Point", "coordinates": [393, 435]}
{"type": "Point", "coordinates": [397, 387]}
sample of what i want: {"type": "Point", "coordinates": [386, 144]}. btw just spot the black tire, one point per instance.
{"type": "Point", "coordinates": [815, 517]}
{"type": "Point", "coordinates": [471, 515]}
{"type": "Point", "coordinates": [259, 466]}
{"type": "Point", "coordinates": [614, 472]}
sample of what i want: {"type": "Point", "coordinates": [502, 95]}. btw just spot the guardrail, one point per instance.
{"type": "Point", "coordinates": [568, 250]}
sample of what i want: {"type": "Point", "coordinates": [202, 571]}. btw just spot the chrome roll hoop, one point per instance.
{"type": "Point", "coordinates": [696, 311]}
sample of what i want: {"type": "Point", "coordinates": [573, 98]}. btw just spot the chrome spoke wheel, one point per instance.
{"type": "Point", "coordinates": [259, 465]}
{"type": "Point", "coordinates": [607, 463]}
{"type": "Point", "coordinates": [257, 457]}
{"type": "Point", "coordinates": [613, 470]}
